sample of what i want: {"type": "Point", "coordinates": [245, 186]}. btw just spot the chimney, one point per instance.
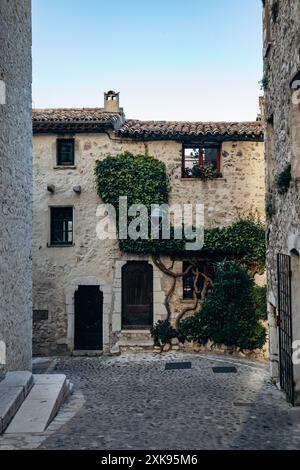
{"type": "Point", "coordinates": [111, 102]}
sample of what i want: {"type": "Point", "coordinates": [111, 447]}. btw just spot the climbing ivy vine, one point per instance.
{"type": "Point", "coordinates": [143, 180]}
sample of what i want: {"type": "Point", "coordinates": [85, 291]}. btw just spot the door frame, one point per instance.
{"type": "Point", "coordinates": [159, 309]}
{"type": "Point", "coordinates": [70, 308]}
{"type": "Point", "coordinates": [150, 267]}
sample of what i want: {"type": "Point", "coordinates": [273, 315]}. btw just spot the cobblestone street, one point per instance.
{"type": "Point", "coordinates": [132, 402]}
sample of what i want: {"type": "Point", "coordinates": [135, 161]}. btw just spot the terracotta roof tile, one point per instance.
{"type": "Point", "coordinates": [177, 129]}
{"type": "Point", "coordinates": [97, 119]}
{"type": "Point", "coordinates": [85, 119]}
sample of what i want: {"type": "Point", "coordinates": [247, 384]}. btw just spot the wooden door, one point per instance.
{"type": "Point", "coordinates": [88, 319]}
{"type": "Point", "coordinates": [137, 295]}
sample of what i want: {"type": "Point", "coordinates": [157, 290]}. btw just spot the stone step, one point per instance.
{"type": "Point", "coordinates": [14, 388]}
{"type": "Point", "coordinates": [136, 342]}
{"type": "Point", "coordinates": [41, 405]}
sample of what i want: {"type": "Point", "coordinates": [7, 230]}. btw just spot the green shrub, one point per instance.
{"type": "Point", "coordinates": [243, 240]}
{"type": "Point", "coordinates": [229, 315]}
{"type": "Point", "coordinates": [163, 332]}
{"type": "Point", "coordinates": [260, 301]}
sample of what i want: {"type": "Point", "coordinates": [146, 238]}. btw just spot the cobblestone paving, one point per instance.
{"type": "Point", "coordinates": [132, 402]}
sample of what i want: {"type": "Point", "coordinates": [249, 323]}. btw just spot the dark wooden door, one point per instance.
{"type": "Point", "coordinates": [285, 326]}
{"type": "Point", "coordinates": [137, 295]}
{"type": "Point", "coordinates": [88, 318]}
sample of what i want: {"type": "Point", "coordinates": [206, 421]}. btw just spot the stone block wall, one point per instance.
{"type": "Point", "coordinates": [15, 184]}
{"type": "Point", "coordinates": [282, 116]}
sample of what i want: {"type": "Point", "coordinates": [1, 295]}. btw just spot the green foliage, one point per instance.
{"type": "Point", "coordinates": [260, 301]}
{"type": "Point", "coordinates": [264, 83]}
{"type": "Point", "coordinates": [163, 332]}
{"type": "Point", "coordinates": [244, 239]}
{"type": "Point", "coordinates": [229, 315]}
{"type": "Point", "coordinates": [284, 179]}
{"type": "Point", "coordinates": [143, 180]}
{"type": "Point", "coordinates": [153, 247]}
{"type": "Point", "coordinates": [203, 172]}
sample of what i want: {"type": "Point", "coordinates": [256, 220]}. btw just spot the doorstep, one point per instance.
{"type": "Point", "coordinates": [87, 353]}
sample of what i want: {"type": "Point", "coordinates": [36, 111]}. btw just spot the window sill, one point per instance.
{"type": "Point", "coordinates": [60, 246]}
{"type": "Point", "coordinates": [65, 167]}
{"type": "Point", "coordinates": [137, 330]}
{"type": "Point", "coordinates": [203, 180]}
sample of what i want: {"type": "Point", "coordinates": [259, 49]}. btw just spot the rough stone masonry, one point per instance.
{"type": "Point", "coordinates": [15, 185]}
{"type": "Point", "coordinates": [282, 116]}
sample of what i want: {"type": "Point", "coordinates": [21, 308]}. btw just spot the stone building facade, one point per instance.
{"type": "Point", "coordinates": [15, 185]}
{"type": "Point", "coordinates": [64, 276]}
{"type": "Point", "coordinates": [282, 121]}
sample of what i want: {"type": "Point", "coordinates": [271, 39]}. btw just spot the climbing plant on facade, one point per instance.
{"type": "Point", "coordinates": [229, 315]}
{"type": "Point", "coordinates": [143, 180]}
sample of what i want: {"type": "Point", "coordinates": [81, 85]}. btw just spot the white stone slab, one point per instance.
{"type": "Point", "coordinates": [13, 390]}
{"type": "Point", "coordinates": [19, 379]}
{"type": "Point", "coordinates": [40, 406]}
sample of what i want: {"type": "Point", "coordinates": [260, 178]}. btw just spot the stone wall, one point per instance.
{"type": "Point", "coordinates": [281, 64]}
{"type": "Point", "coordinates": [15, 183]}
{"type": "Point", "coordinates": [55, 269]}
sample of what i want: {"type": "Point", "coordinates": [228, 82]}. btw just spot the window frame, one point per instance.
{"type": "Point", "coordinates": [60, 244]}
{"type": "Point", "coordinates": [200, 147]}
{"type": "Point", "coordinates": [60, 140]}
{"type": "Point", "coordinates": [207, 268]}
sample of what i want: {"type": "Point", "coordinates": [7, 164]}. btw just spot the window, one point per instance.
{"type": "Point", "coordinates": [189, 279]}
{"type": "Point", "coordinates": [61, 225]}
{"type": "Point", "coordinates": [65, 152]}
{"type": "Point", "coordinates": [197, 157]}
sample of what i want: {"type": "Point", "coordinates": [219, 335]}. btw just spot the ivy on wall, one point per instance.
{"type": "Point", "coordinates": [143, 180]}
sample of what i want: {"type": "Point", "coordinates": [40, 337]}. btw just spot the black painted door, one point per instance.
{"type": "Point", "coordinates": [88, 319]}
{"type": "Point", "coordinates": [137, 295]}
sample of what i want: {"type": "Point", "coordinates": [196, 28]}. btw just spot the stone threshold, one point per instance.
{"type": "Point", "coordinates": [87, 353]}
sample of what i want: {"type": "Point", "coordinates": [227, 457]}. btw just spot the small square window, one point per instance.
{"type": "Point", "coordinates": [65, 152]}
{"type": "Point", "coordinates": [61, 225]}
{"type": "Point", "coordinates": [198, 157]}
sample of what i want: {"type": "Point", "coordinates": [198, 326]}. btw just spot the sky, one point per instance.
{"type": "Point", "coordinates": [196, 60]}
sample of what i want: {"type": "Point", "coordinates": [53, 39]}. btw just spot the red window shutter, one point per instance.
{"type": "Point", "coordinates": [219, 160]}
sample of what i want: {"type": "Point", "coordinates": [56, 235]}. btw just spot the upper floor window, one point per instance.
{"type": "Point", "coordinates": [61, 220]}
{"type": "Point", "coordinates": [198, 161]}
{"type": "Point", "coordinates": [65, 152]}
